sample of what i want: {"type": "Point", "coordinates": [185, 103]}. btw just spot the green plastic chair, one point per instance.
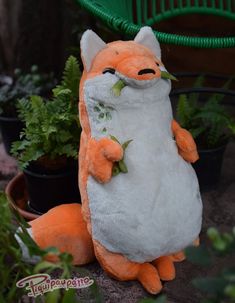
{"type": "Point", "coordinates": [127, 17]}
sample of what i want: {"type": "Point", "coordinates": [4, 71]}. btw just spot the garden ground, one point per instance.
{"type": "Point", "coordinates": [219, 211]}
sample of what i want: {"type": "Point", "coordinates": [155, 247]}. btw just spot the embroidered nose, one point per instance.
{"type": "Point", "coordinates": [146, 71]}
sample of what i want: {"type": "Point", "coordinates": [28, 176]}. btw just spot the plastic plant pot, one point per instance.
{"type": "Point", "coordinates": [208, 167]}
{"type": "Point", "coordinates": [47, 190]}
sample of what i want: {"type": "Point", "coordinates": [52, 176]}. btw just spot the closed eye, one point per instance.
{"type": "Point", "coordinates": [109, 70]}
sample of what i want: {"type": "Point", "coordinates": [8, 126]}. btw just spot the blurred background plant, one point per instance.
{"type": "Point", "coordinates": [24, 85]}
{"type": "Point", "coordinates": [221, 287]}
{"type": "Point", "coordinates": [210, 124]}
{"type": "Point", "coordinates": [52, 127]}
{"type": "Point", "coordinates": [13, 267]}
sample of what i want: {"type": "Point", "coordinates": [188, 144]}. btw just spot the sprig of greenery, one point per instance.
{"type": "Point", "coordinates": [120, 166]}
{"type": "Point", "coordinates": [23, 86]}
{"type": "Point", "coordinates": [221, 287]}
{"type": "Point", "coordinates": [209, 124]}
{"type": "Point", "coordinates": [52, 128]}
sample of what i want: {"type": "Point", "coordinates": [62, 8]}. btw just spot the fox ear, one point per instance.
{"type": "Point", "coordinates": [147, 38]}
{"type": "Point", "coordinates": [90, 44]}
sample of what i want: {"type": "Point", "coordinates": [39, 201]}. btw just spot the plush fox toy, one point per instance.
{"type": "Point", "coordinates": [141, 204]}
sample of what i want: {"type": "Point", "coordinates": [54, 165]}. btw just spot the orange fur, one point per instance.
{"type": "Point", "coordinates": [165, 267]}
{"type": "Point", "coordinates": [186, 145]}
{"type": "Point", "coordinates": [120, 268]}
{"type": "Point", "coordinates": [101, 155]}
{"type": "Point", "coordinates": [68, 232]}
{"type": "Point", "coordinates": [70, 226]}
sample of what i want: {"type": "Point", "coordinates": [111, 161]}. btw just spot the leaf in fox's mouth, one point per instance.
{"type": "Point", "coordinates": [166, 75]}
{"type": "Point", "coordinates": [117, 87]}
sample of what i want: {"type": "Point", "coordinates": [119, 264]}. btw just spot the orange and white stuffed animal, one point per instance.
{"type": "Point", "coordinates": [135, 223]}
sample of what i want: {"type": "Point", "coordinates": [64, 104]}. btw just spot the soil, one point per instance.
{"type": "Point", "coordinates": [219, 211]}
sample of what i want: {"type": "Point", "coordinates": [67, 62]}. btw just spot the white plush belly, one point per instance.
{"type": "Point", "coordinates": [154, 209]}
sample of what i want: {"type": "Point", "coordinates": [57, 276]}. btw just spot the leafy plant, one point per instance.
{"type": "Point", "coordinates": [221, 287]}
{"type": "Point", "coordinates": [23, 86]}
{"type": "Point", "coordinates": [210, 124]}
{"type": "Point", "coordinates": [159, 299]}
{"type": "Point", "coordinates": [13, 268]}
{"type": "Point", "coordinates": [52, 127]}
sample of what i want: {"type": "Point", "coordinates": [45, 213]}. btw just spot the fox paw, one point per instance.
{"type": "Point", "coordinates": [101, 156]}
{"type": "Point", "coordinates": [186, 145]}
{"type": "Point", "coordinates": [149, 278]}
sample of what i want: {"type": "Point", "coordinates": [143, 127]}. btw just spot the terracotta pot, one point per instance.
{"type": "Point", "coordinates": [18, 197]}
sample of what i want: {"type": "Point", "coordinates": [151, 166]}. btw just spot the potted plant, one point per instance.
{"type": "Point", "coordinates": [211, 126]}
{"type": "Point", "coordinates": [23, 85]}
{"type": "Point", "coordinates": [48, 149]}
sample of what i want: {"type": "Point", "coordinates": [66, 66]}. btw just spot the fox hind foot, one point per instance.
{"type": "Point", "coordinates": [122, 269]}
{"type": "Point", "coordinates": [148, 276]}
{"type": "Point", "coordinates": [165, 268]}
{"type": "Point", "coordinates": [178, 257]}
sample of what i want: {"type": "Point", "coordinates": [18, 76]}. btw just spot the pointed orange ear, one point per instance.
{"type": "Point", "coordinates": [91, 44]}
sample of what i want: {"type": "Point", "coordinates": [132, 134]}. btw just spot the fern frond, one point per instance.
{"type": "Point", "coordinates": [185, 111]}
{"type": "Point", "coordinates": [71, 76]}
{"type": "Point", "coordinates": [198, 83]}
{"type": "Point", "coordinates": [216, 98]}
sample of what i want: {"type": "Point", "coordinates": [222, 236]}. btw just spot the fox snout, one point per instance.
{"type": "Point", "coordinates": [139, 68]}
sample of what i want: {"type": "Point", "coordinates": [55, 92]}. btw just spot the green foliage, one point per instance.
{"type": "Point", "coordinates": [52, 127]}
{"type": "Point", "coordinates": [23, 86]}
{"type": "Point", "coordinates": [221, 287]}
{"type": "Point", "coordinates": [13, 268]}
{"type": "Point", "coordinates": [120, 166]}
{"type": "Point", "coordinates": [159, 299]}
{"type": "Point", "coordinates": [70, 80]}
{"type": "Point", "coordinates": [209, 124]}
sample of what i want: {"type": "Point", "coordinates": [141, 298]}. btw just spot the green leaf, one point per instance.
{"type": "Point", "coordinates": [61, 91]}
{"type": "Point", "coordinates": [122, 166]}
{"type": "Point", "coordinates": [53, 297]}
{"type": "Point", "coordinates": [117, 87]}
{"type": "Point", "coordinates": [230, 291]}
{"type": "Point", "coordinates": [125, 144]}
{"type": "Point", "coordinates": [114, 139]}
{"type": "Point", "coordinates": [70, 296]}
{"type": "Point", "coordinates": [159, 299]}
{"type": "Point", "coordinates": [116, 170]}
{"type": "Point", "coordinates": [96, 293]}
{"type": "Point", "coordinates": [193, 98]}
{"type": "Point", "coordinates": [198, 255]}
{"type": "Point", "coordinates": [166, 75]}
{"type": "Point", "coordinates": [43, 266]}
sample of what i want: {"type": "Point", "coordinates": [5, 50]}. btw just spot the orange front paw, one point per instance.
{"type": "Point", "coordinates": [185, 142]}
{"type": "Point", "coordinates": [101, 155]}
